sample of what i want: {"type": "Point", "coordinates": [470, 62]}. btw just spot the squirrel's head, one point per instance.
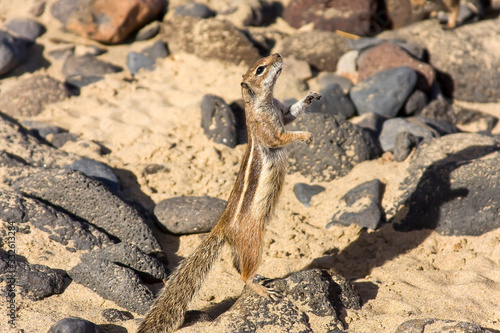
{"type": "Point", "coordinates": [259, 81]}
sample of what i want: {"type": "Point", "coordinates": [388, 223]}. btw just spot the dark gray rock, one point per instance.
{"type": "Point", "coordinates": [415, 103]}
{"type": "Point", "coordinates": [209, 38]}
{"type": "Point", "coordinates": [334, 101]}
{"type": "Point", "coordinates": [363, 206]}
{"type": "Point", "coordinates": [454, 114]}
{"type": "Point", "coordinates": [62, 9]}
{"type": "Point", "coordinates": [41, 129]}
{"type": "Point", "coordinates": [87, 68]}
{"type": "Point", "coordinates": [74, 233]}
{"type": "Point", "coordinates": [438, 326]}
{"type": "Point", "coordinates": [188, 215]}
{"type": "Point", "coordinates": [326, 79]}
{"type": "Point", "coordinates": [147, 57]}
{"type": "Point", "coordinates": [385, 92]}
{"type": "Point", "coordinates": [195, 10]}
{"type": "Point", "coordinates": [25, 28]}
{"type": "Point", "coordinates": [37, 8]}
{"type": "Point", "coordinates": [132, 257]}
{"type": "Point", "coordinates": [13, 51]}
{"type": "Point", "coordinates": [453, 186]}
{"type": "Point", "coordinates": [321, 49]}
{"type": "Point", "coordinates": [30, 95]}
{"type": "Point", "coordinates": [439, 128]}
{"type": "Point", "coordinates": [337, 147]}
{"type": "Point", "coordinates": [470, 65]}
{"type": "Point", "coordinates": [18, 141]}
{"type": "Point", "coordinates": [136, 61]}
{"type": "Point", "coordinates": [363, 43]}
{"type": "Point", "coordinates": [115, 283]}
{"type": "Point", "coordinates": [313, 298]}
{"type": "Point", "coordinates": [392, 127]}
{"type": "Point", "coordinates": [58, 140]}
{"type": "Point", "coordinates": [218, 121]}
{"type": "Point", "coordinates": [97, 170]}
{"type": "Point", "coordinates": [148, 32]}
{"type": "Point", "coordinates": [87, 198]}
{"type": "Point", "coordinates": [304, 192]}
{"type": "Point", "coordinates": [74, 325]}
{"type": "Point", "coordinates": [80, 81]}
{"type": "Point", "coordinates": [372, 123]}
{"type": "Point", "coordinates": [33, 281]}
{"type": "Point", "coordinates": [61, 53]}
{"type": "Point", "coordinates": [405, 142]}
{"type": "Point", "coordinates": [115, 315]}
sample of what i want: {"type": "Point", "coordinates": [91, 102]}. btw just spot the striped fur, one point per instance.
{"type": "Point", "coordinates": [250, 204]}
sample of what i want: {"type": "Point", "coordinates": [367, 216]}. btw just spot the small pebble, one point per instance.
{"type": "Point", "coordinates": [25, 28]}
{"type": "Point", "coordinates": [195, 10]}
{"type": "Point", "coordinates": [99, 171]}
{"type": "Point", "coordinates": [74, 325]}
{"type": "Point", "coordinates": [304, 192]}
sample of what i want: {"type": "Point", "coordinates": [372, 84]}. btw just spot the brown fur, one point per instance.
{"type": "Point", "coordinates": [250, 204]}
{"type": "Point", "coordinates": [453, 6]}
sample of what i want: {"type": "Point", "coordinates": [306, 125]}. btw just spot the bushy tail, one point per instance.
{"type": "Point", "coordinates": [167, 312]}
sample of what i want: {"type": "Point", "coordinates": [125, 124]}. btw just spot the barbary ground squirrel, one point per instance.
{"type": "Point", "coordinates": [250, 205]}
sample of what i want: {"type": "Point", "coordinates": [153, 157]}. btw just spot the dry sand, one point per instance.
{"type": "Point", "coordinates": [156, 120]}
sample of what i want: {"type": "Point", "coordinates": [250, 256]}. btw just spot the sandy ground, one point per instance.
{"type": "Point", "coordinates": [156, 120]}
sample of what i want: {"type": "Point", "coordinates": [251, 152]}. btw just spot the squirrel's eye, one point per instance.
{"type": "Point", "coordinates": [260, 70]}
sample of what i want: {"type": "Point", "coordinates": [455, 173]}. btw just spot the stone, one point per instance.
{"type": "Point", "coordinates": [107, 21]}
{"type": "Point", "coordinates": [337, 147]}
{"type": "Point", "coordinates": [389, 55]}
{"type": "Point", "coordinates": [18, 141]}
{"type": "Point", "coordinates": [392, 127]}
{"type": "Point", "coordinates": [321, 49]}
{"type": "Point", "coordinates": [41, 129]}
{"type": "Point", "coordinates": [29, 96]}
{"type": "Point", "coordinates": [97, 170]}
{"type": "Point", "coordinates": [372, 123]}
{"type": "Point", "coordinates": [35, 282]}
{"type": "Point", "coordinates": [437, 127]}
{"type": "Point", "coordinates": [349, 16]}
{"type": "Point", "coordinates": [110, 280]}
{"type": "Point", "coordinates": [470, 66]}
{"type": "Point", "coordinates": [25, 28]}
{"type": "Point", "coordinates": [304, 192]}
{"type": "Point", "coordinates": [59, 139]}
{"type": "Point", "coordinates": [127, 255]}
{"type": "Point", "coordinates": [347, 64]}
{"type": "Point", "coordinates": [385, 92]}
{"type": "Point", "coordinates": [87, 66]}
{"type": "Point", "coordinates": [60, 227]}
{"type": "Point", "coordinates": [415, 103]}
{"type": "Point", "coordinates": [334, 102]}
{"type": "Point", "coordinates": [194, 9]}
{"type": "Point", "coordinates": [13, 51]}
{"type": "Point", "coordinates": [453, 187]}
{"type": "Point", "coordinates": [148, 32]}
{"type": "Point", "coordinates": [188, 215]}
{"type": "Point", "coordinates": [74, 325]}
{"type": "Point", "coordinates": [438, 326]}
{"type": "Point", "coordinates": [115, 315]}
{"type": "Point", "coordinates": [79, 81]}
{"type": "Point", "coordinates": [312, 298]}
{"type": "Point", "coordinates": [403, 13]}
{"type": "Point", "coordinates": [38, 8]}
{"type": "Point", "coordinates": [89, 50]}
{"type": "Point", "coordinates": [363, 206]}
{"type": "Point", "coordinates": [89, 199]}
{"type": "Point", "coordinates": [218, 121]}
{"type": "Point", "coordinates": [146, 58]}
{"type": "Point", "coordinates": [298, 69]}
{"type": "Point", "coordinates": [405, 142]}
{"type": "Point", "coordinates": [209, 39]}
{"type": "Point", "coordinates": [326, 79]}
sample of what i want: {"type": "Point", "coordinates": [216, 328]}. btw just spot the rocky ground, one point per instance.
{"type": "Point", "coordinates": [120, 141]}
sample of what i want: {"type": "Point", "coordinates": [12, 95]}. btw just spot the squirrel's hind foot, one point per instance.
{"type": "Point", "coordinates": [259, 285]}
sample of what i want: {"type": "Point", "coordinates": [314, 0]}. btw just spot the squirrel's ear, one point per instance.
{"type": "Point", "coordinates": [245, 86]}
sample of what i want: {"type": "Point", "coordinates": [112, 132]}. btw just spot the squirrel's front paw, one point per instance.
{"type": "Point", "coordinates": [312, 95]}
{"type": "Point", "coordinates": [309, 138]}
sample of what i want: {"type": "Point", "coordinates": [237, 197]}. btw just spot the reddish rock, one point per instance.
{"type": "Point", "coordinates": [111, 21]}
{"type": "Point", "coordinates": [353, 16]}
{"type": "Point", "coordinates": [388, 55]}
